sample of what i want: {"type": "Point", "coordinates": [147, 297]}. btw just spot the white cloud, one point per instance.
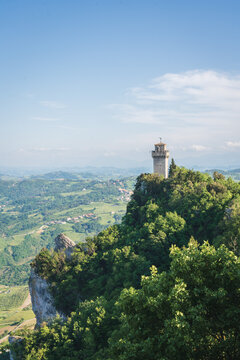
{"type": "Point", "coordinates": [233, 144]}
{"type": "Point", "coordinates": [199, 148]}
{"type": "Point", "coordinates": [46, 149]}
{"type": "Point", "coordinates": [208, 88]}
{"type": "Point", "coordinates": [40, 118]}
{"type": "Point", "coordinates": [52, 104]}
{"type": "Point", "coordinates": [193, 96]}
{"type": "Point", "coordinates": [188, 109]}
{"type": "Point", "coordinates": [66, 127]}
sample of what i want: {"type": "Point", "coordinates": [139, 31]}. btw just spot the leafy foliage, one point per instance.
{"type": "Point", "coordinates": [191, 312]}
{"type": "Point", "coordinates": [80, 337]}
{"type": "Point", "coordinates": [188, 311]}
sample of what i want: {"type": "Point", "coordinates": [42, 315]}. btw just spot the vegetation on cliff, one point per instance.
{"type": "Point", "coordinates": [118, 308]}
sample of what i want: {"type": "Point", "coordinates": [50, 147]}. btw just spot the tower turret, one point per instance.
{"type": "Point", "coordinates": [160, 159]}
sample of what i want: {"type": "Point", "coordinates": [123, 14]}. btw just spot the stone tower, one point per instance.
{"type": "Point", "coordinates": [160, 159]}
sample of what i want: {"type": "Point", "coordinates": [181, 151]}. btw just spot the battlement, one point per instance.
{"type": "Point", "coordinates": [160, 153]}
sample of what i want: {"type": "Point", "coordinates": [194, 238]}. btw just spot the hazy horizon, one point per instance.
{"type": "Point", "coordinates": [96, 83]}
{"type": "Point", "coordinates": [22, 172]}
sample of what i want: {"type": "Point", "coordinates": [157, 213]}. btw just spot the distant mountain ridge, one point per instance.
{"type": "Point", "coordinates": [72, 173]}
{"type": "Point", "coordinates": [57, 175]}
{"type": "Point", "coordinates": [223, 171]}
{"type": "Point", "coordinates": [234, 173]}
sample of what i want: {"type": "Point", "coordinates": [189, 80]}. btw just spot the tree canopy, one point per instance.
{"type": "Point", "coordinates": [185, 307]}
{"type": "Point", "coordinates": [190, 312]}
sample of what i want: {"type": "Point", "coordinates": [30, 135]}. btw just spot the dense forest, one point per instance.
{"type": "Point", "coordinates": [161, 285]}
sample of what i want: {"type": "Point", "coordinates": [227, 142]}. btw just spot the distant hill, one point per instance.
{"type": "Point", "coordinates": [57, 175]}
{"type": "Point", "coordinates": [234, 173]}
{"type": "Point", "coordinates": [101, 173]}
{"type": "Point", "coordinates": [110, 172]}
{"type": "Point", "coordinates": [33, 209]}
{"type": "Point", "coordinates": [72, 173]}
{"type": "Point", "coordinates": [114, 170]}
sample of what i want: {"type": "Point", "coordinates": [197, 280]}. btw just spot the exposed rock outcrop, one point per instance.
{"type": "Point", "coordinates": [42, 301]}
{"type": "Point", "coordinates": [62, 242]}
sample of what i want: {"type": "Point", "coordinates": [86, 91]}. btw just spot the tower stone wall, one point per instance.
{"type": "Point", "coordinates": [160, 159]}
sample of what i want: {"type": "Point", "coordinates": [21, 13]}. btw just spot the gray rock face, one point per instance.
{"type": "Point", "coordinates": [42, 301]}
{"type": "Point", "coordinates": [62, 242]}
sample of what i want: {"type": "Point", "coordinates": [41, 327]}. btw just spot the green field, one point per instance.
{"type": "Point", "coordinates": [12, 297]}
{"type": "Point", "coordinates": [34, 211]}
{"type": "Point", "coordinates": [15, 309]}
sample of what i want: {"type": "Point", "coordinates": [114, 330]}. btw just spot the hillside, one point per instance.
{"type": "Point", "coordinates": [114, 314]}
{"type": "Point", "coordinates": [33, 211]}
{"type": "Point", "coordinates": [234, 173]}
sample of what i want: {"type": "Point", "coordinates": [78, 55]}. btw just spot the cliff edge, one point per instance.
{"type": "Point", "coordinates": [42, 301]}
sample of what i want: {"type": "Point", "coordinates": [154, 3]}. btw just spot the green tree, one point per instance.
{"type": "Point", "coordinates": [218, 176]}
{"type": "Point", "coordinates": [191, 312]}
{"type": "Point", "coordinates": [172, 168]}
{"type": "Point", "coordinates": [80, 337]}
{"type": "Point", "coordinates": [230, 226]}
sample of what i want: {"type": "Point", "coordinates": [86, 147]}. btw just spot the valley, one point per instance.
{"type": "Point", "coordinates": [34, 211]}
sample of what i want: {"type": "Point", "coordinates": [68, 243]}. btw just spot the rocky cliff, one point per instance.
{"type": "Point", "coordinates": [42, 300]}
{"type": "Point", "coordinates": [63, 243]}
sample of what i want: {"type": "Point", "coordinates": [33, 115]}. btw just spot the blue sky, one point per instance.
{"type": "Point", "coordinates": [96, 83]}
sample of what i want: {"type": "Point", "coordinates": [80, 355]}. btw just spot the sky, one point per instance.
{"type": "Point", "coordinates": [96, 83]}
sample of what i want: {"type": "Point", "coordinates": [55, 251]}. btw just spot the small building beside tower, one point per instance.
{"type": "Point", "coordinates": [160, 159]}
